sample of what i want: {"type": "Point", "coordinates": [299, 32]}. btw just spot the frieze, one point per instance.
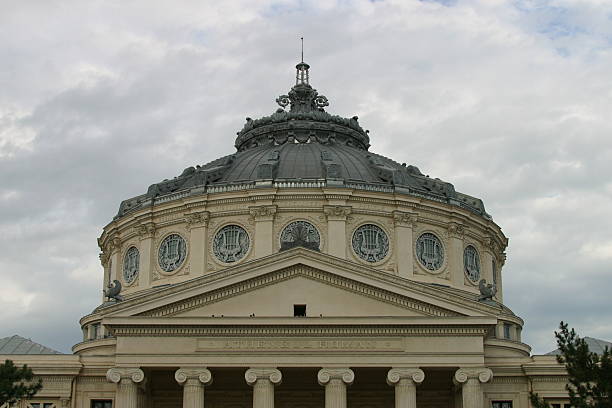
{"type": "Point", "coordinates": [292, 345]}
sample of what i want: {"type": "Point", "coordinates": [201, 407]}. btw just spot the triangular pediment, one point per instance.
{"type": "Point", "coordinates": [328, 286]}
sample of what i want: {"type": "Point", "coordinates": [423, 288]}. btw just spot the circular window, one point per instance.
{"type": "Point", "coordinates": [300, 233]}
{"type": "Point", "coordinates": [471, 263]}
{"type": "Point", "coordinates": [231, 243]}
{"type": "Point", "coordinates": [172, 252]}
{"type": "Point", "coordinates": [430, 251]}
{"type": "Point", "coordinates": [131, 263]}
{"type": "Point", "coordinates": [370, 243]}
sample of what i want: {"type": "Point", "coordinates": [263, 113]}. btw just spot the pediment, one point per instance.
{"type": "Point", "coordinates": [328, 286]}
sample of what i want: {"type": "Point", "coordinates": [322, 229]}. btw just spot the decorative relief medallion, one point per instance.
{"type": "Point", "coordinates": [471, 263]}
{"type": "Point", "coordinates": [300, 233]}
{"type": "Point", "coordinates": [430, 251]}
{"type": "Point", "coordinates": [231, 243]}
{"type": "Point", "coordinates": [131, 264]}
{"type": "Point", "coordinates": [370, 243]}
{"type": "Point", "coordinates": [172, 252]}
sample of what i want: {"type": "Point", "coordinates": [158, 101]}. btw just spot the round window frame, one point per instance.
{"type": "Point", "coordinates": [125, 254]}
{"type": "Point", "coordinates": [444, 264]}
{"type": "Point", "coordinates": [182, 264]}
{"type": "Point", "coordinates": [282, 229]}
{"type": "Point", "coordinates": [359, 258]}
{"type": "Point", "coordinates": [214, 236]}
{"type": "Point", "coordinates": [474, 283]}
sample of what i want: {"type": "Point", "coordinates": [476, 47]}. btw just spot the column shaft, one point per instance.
{"type": "Point", "coordinates": [263, 394]}
{"type": "Point", "coordinates": [472, 394]}
{"type": "Point", "coordinates": [405, 394]}
{"type": "Point", "coordinates": [127, 394]}
{"type": "Point", "coordinates": [335, 394]}
{"type": "Point", "coordinates": [193, 394]}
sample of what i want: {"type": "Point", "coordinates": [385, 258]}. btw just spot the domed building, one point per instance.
{"type": "Point", "coordinates": [302, 270]}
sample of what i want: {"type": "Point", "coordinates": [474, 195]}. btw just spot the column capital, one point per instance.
{"type": "Point", "coordinates": [252, 375]}
{"type": "Point", "coordinates": [146, 230]}
{"type": "Point", "coordinates": [197, 219]}
{"type": "Point", "coordinates": [263, 212]}
{"type": "Point", "coordinates": [117, 374]}
{"type": "Point", "coordinates": [404, 219]}
{"type": "Point", "coordinates": [336, 212]}
{"type": "Point", "coordinates": [482, 374]}
{"type": "Point", "coordinates": [201, 374]}
{"type": "Point", "coordinates": [325, 375]}
{"type": "Point", "coordinates": [413, 374]}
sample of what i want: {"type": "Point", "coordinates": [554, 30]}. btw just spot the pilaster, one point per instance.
{"type": "Point", "coordinates": [471, 380]}
{"type": "Point", "coordinates": [263, 381]}
{"type": "Point", "coordinates": [115, 253]}
{"type": "Point", "coordinates": [455, 253]}
{"type": "Point", "coordinates": [405, 380]}
{"type": "Point", "coordinates": [404, 245]}
{"type": "Point", "coordinates": [336, 229]}
{"type": "Point", "coordinates": [264, 225]}
{"type": "Point", "coordinates": [335, 381]}
{"type": "Point", "coordinates": [127, 380]}
{"type": "Point", "coordinates": [146, 232]}
{"type": "Point", "coordinates": [197, 224]}
{"type": "Point", "coordinates": [487, 259]}
{"type": "Point", "coordinates": [193, 381]}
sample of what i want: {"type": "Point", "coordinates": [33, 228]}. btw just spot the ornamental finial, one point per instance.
{"type": "Point", "coordinates": [302, 97]}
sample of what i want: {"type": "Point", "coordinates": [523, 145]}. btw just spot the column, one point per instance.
{"type": "Point", "coordinates": [404, 245]}
{"type": "Point", "coordinates": [146, 232]}
{"type": "Point", "coordinates": [197, 224]}
{"type": "Point", "coordinates": [263, 381]}
{"type": "Point", "coordinates": [455, 253]}
{"type": "Point", "coordinates": [471, 380]}
{"type": "Point", "coordinates": [264, 223]}
{"type": "Point", "coordinates": [193, 381]}
{"type": "Point", "coordinates": [127, 380]}
{"type": "Point", "coordinates": [335, 381]}
{"type": "Point", "coordinates": [405, 380]}
{"type": "Point", "coordinates": [336, 229]}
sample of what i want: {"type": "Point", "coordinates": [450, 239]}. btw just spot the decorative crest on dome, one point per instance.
{"type": "Point", "coordinates": [303, 97]}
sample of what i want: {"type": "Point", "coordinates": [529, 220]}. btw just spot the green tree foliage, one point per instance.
{"type": "Point", "coordinates": [16, 383]}
{"type": "Point", "coordinates": [589, 375]}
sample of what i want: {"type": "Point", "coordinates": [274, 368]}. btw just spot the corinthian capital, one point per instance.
{"type": "Point", "coordinates": [413, 374]}
{"type": "Point", "coordinates": [202, 374]}
{"type": "Point", "coordinates": [325, 375]}
{"type": "Point", "coordinates": [482, 374]}
{"type": "Point", "coordinates": [117, 374]}
{"type": "Point", "coordinates": [262, 213]}
{"type": "Point", "coordinates": [253, 375]}
{"type": "Point", "coordinates": [404, 219]}
{"type": "Point", "coordinates": [337, 212]}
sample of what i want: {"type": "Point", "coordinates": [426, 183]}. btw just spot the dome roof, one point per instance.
{"type": "Point", "coordinates": [301, 145]}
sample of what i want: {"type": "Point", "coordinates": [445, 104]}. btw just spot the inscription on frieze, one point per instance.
{"type": "Point", "coordinates": [291, 344]}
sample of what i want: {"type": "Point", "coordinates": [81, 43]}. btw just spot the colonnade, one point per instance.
{"type": "Point", "coordinates": [263, 380]}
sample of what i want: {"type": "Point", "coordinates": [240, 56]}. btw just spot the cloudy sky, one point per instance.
{"type": "Point", "coordinates": [510, 101]}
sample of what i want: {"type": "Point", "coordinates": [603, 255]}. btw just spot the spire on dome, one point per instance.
{"type": "Point", "coordinates": [303, 97]}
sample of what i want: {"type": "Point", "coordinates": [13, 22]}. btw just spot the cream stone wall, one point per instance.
{"type": "Point", "coordinates": [336, 214]}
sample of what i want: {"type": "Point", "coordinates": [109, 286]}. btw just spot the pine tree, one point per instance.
{"type": "Point", "coordinates": [16, 383]}
{"type": "Point", "coordinates": [589, 374]}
